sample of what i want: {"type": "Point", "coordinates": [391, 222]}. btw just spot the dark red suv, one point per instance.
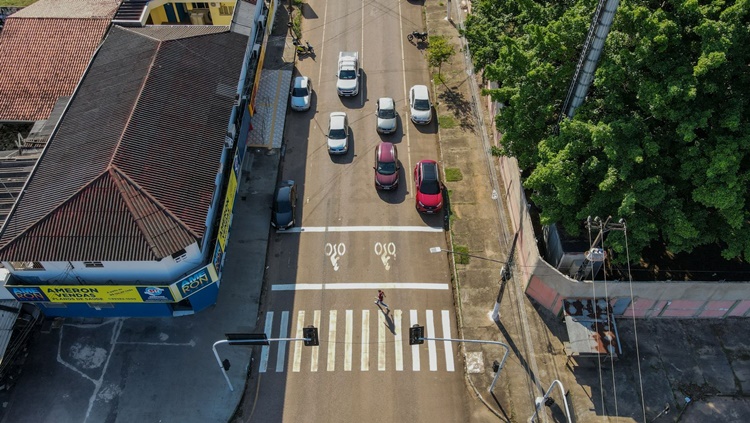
{"type": "Point", "coordinates": [386, 166]}
{"type": "Point", "coordinates": [429, 187]}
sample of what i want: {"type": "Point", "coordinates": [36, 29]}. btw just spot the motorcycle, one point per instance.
{"type": "Point", "coordinates": [421, 36]}
{"type": "Point", "coordinates": [302, 49]}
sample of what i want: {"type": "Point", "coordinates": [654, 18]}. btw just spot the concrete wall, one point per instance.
{"type": "Point", "coordinates": [549, 287]}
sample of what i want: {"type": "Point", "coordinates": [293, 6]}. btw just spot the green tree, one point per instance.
{"type": "Point", "coordinates": [662, 138]}
{"type": "Point", "coordinates": [439, 51]}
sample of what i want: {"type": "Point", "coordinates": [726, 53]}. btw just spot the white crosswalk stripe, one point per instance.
{"type": "Point", "coordinates": [388, 344]}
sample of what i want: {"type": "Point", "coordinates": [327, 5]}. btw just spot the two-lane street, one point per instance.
{"type": "Point", "coordinates": [351, 240]}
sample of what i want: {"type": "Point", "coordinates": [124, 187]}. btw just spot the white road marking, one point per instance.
{"type": "Point", "coordinates": [399, 358]}
{"type": "Point", "coordinates": [315, 349]}
{"type": "Point", "coordinates": [357, 285]}
{"type": "Point", "coordinates": [448, 344]}
{"type": "Point", "coordinates": [331, 341]}
{"type": "Point", "coordinates": [381, 342]}
{"type": "Point", "coordinates": [297, 359]}
{"type": "Point", "coordinates": [431, 344]}
{"type": "Point", "coordinates": [318, 229]}
{"type": "Point", "coordinates": [283, 333]}
{"type": "Point", "coordinates": [348, 341]}
{"type": "Point", "coordinates": [414, 348]}
{"type": "Point", "coordinates": [265, 349]}
{"type": "Point", "coordinates": [365, 357]}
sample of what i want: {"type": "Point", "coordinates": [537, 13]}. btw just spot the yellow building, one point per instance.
{"type": "Point", "coordinates": [162, 12]}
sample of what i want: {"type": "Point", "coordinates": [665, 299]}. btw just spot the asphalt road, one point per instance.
{"type": "Point", "coordinates": [352, 240]}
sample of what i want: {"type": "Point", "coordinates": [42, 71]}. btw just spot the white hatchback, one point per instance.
{"type": "Point", "coordinates": [420, 105]}
{"type": "Point", "coordinates": [338, 133]}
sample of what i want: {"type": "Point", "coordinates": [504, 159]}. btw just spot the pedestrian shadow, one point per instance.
{"type": "Point", "coordinates": [388, 320]}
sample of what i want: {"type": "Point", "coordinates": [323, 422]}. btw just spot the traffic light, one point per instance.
{"type": "Point", "coordinates": [416, 335]}
{"type": "Point", "coordinates": [310, 334]}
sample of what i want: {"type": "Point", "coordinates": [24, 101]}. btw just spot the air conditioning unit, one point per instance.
{"type": "Point", "coordinates": [198, 18]}
{"type": "Point", "coordinates": [256, 50]}
{"type": "Point", "coordinates": [214, 4]}
{"type": "Point", "coordinates": [262, 21]}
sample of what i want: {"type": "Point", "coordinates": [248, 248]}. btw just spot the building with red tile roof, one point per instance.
{"type": "Point", "coordinates": [125, 197]}
{"type": "Point", "coordinates": [46, 47]}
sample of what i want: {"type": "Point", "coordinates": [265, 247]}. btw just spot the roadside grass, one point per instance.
{"type": "Point", "coordinates": [453, 174]}
{"type": "Point", "coordinates": [446, 122]}
{"type": "Point", "coordinates": [16, 3]}
{"type": "Point", "coordinates": [460, 255]}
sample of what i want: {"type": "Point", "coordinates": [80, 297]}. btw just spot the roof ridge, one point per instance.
{"type": "Point", "coordinates": [119, 177]}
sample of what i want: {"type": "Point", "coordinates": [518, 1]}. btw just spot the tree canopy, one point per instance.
{"type": "Point", "coordinates": [662, 139]}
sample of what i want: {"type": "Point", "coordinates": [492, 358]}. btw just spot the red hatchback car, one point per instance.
{"type": "Point", "coordinates": [386, 166]}
{"type": "Point", "coordinates": [429, 187]}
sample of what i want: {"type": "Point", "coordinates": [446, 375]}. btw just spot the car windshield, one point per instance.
{"type": "Point", "coordinates": [386, 113]}
{"type": "Point", "coordinates": [386, 168]}
{"type": "Point", "coordinates": [430, 187]}
{"type": "Point", "coordinates": [337, 134]}
{"type": "Point", "coordinates": [347, 74]}
{"type": "Point", "coordinates": [421, 104]}
{"type": "Point", "coordinates": [299, 92]}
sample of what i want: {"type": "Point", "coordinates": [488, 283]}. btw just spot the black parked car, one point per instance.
{"type": "Point", "coordinates": [284, 205]}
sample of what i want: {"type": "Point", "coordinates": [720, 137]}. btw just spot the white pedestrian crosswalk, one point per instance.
{"type": "Point", "coordinates": [379, 341]}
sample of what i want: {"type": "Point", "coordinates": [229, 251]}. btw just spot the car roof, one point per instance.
{"type": "Point", "coordinates": [420, 91]}
{"type": "Point", "coordinates": [386, 152]}
{"type": "Point", "coordinates": [386, 103]}
{"type": "Point", "coordinates": [429, 170]}
{"type": "Point", "coordinates": [337, 119]}
{"type": "Point", "coordinates": [301, 82]}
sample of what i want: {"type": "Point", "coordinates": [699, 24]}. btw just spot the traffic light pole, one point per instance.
{"type": "Point", "coordinates": [476, 341]}
{"type": "Point", "coordinates": [311, 339]}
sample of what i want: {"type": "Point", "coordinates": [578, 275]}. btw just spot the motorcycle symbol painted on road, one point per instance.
{"type": "Point", "coordinates": [335, 252]}
{"type": "Point", "coordinates": [386, 251]}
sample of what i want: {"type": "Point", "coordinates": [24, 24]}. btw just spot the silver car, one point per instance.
{"type": "Point", "coordinates": [301, 93]}
{"type": "Point", "coordinates": [386, 115]}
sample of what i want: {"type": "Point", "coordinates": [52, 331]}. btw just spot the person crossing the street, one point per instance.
{"type": "Point", "coordinates": [380, 302]}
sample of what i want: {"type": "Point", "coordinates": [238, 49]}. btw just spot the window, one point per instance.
{"type": "Point", "coordinates": [201, 5]}
{"type": "Point", "coordinates": [93, 264]}
{"type": "Point", "coordinates": [179, 256]}
{"type": "Point", "coordinates": [226, 10]}
{"type": "Point", "coordinates": [26, 265]}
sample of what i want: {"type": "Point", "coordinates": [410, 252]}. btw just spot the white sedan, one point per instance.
{"type": "Point", "coordinates": [301, 93]}
{"type": "Point", "coordinates": [386, 115]}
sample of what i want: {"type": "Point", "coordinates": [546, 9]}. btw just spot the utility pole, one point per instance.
{"type": "Point", "coordinates": [596, 254]}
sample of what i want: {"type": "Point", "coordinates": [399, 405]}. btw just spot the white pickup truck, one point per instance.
{"type": "Point", "coordinates": [348, 76]}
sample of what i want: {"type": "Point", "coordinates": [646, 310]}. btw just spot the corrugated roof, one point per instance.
{"type": "Point", "coordinates": [149, 117]}
{"type": "Point", "coordinates": [69, 9]}
{"type": "Point", "coordinates": [43, 59]}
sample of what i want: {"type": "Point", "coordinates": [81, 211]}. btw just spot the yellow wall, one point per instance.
{"type": "Point", "coordinates": [159, 17]}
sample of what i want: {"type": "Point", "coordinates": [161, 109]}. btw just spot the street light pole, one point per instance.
{"type": "Point", "coordinates": [438, 250]}
{"type": "Point", "coordinates": [542, 400]}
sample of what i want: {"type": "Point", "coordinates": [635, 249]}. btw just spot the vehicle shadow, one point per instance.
{"type": "Point", "coordinates": [430, 128]}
